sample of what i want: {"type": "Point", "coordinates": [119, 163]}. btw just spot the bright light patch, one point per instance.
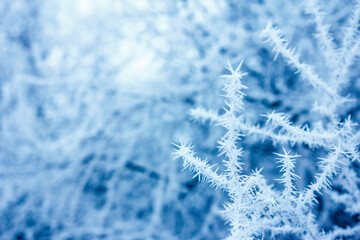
{"type": "Point", "coordinates": [85, 6]}
{"type": "Point", "coordinates": [141, 4]}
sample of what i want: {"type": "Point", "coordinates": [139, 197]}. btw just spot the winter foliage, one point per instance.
{"type": "Point", "coordinates": [255, 208]}
{"type": "Point", "coordinates": [95, 93]}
